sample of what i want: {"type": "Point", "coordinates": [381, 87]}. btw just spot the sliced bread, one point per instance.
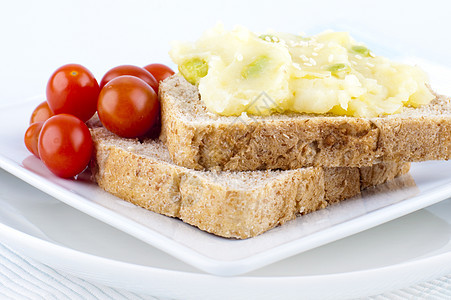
{"type": "Point", "coordinates": [228, 204]}
{"type": "Point", "coordinates": [199, 139]}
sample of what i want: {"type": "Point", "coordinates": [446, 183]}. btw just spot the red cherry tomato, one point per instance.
{"type": "Point", "coordinates": [128, 106]}
{"type": "Point", "coordinates": [41, 113]}
{"type": "Point", "coordinates": [72, 89]}
{"type": "Point", "coordinates": [32, 136]}
{"type": "Point", "coordinates": [141, 73]}
{"type": "Point", "coordinates": [159, 71]}
{"type": "Point", "coordinates": [65, 145]}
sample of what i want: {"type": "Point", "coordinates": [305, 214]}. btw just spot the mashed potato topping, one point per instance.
{"type": "Point", "coordinates": [239, 71]}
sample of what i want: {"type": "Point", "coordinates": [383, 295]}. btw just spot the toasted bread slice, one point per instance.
{"type": "Point", "coordinates": [228, 204]}
{"type": "Point", "coordinates": [199, 139]}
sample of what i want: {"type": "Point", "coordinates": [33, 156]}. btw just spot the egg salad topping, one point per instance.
{"type": "Point", "coordinates": [238, 71]}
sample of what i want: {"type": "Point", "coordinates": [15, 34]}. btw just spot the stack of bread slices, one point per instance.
{"type": "Point", "coordinates": [241, 176]}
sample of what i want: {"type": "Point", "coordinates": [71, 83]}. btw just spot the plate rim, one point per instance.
{"type": "Point", "coordinates": [430, 266]}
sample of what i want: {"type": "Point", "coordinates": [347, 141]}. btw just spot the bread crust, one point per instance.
{"type": "Point", "coordinates": [201, 140]}
{"type": "Point", "coordinates": [229, 204]}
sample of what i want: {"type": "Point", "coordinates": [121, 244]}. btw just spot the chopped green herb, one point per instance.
{"type": "Point", "coordinates": [362, 50]}
{"type": "Point", "coordinates": [337, 70]}
{"type": "Point", "coordinates": [255, 68]}
{"type": "Point", "coordinates": [193, 70]}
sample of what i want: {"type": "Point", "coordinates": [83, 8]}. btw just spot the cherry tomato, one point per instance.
{"type": "Point", "coordinates": [159, 71]}
{"type": "Point", "coordinates": [32, 136]}
{"type": "Point", "coordinates": [65, 145]}
{"type": "Point", "coordinates": [128, 106]}
{"type": "Point", "coordinates": [41, 113]}
{"type": "Point", "coordinates": [72, 89]}
{"type": "Point", "coordinates": [141, 73]}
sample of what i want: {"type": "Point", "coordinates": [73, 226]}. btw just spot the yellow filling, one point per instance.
{"type": "Point", "coordinates": [239, 71]}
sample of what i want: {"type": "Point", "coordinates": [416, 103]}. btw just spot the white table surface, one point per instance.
{"type": "Point", "coordinates": [36, 37]}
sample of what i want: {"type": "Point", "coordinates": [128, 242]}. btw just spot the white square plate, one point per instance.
{"type": "Point", "coordinates": [427, 183]}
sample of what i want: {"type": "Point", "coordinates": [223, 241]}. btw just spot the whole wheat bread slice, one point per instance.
{"type": "Point", "coordinates": [228, 204]}
{"type": "Point", "coordinates": [199, 139]}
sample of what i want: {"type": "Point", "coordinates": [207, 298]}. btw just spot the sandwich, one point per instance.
{"type": "Point", "coordinates": [226, 203]}
{"type": "Point", "coordinates": [257, 130]}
